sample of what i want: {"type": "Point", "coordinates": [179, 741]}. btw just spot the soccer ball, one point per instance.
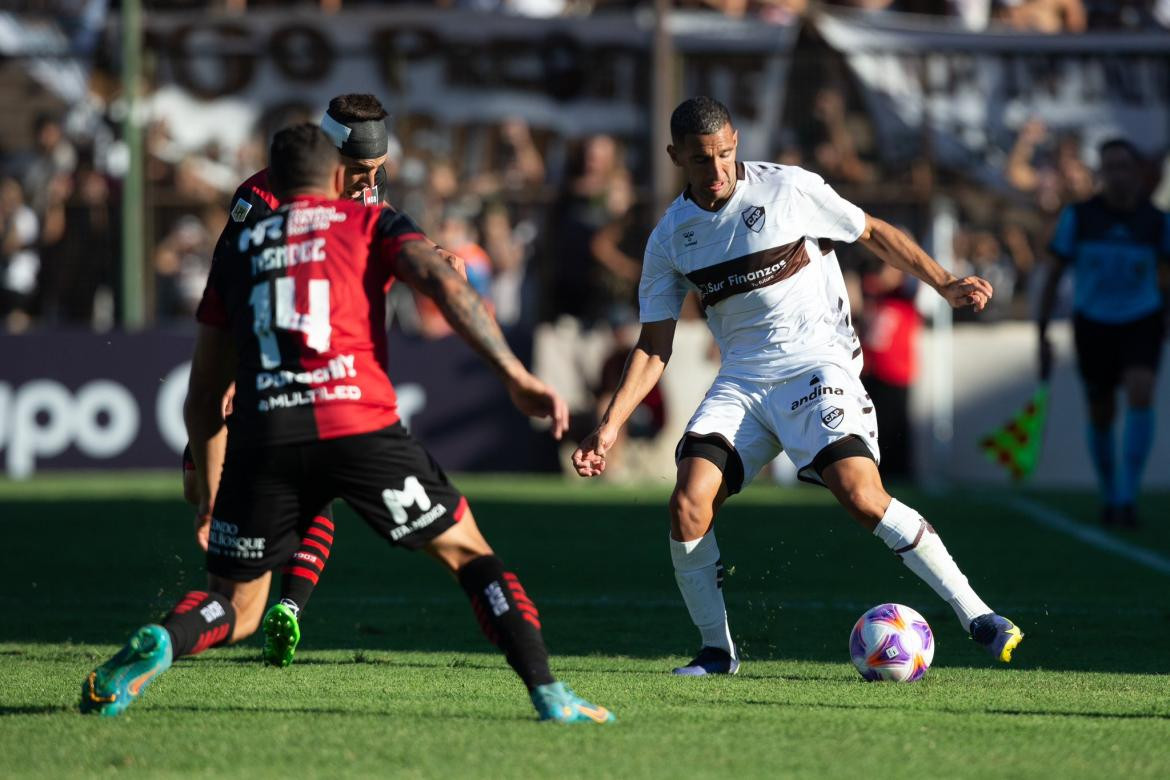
{"type": "Point", "coordinates": [891, 642]}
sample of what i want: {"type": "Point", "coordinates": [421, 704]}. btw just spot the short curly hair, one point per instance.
{"type": "Point", "coordinates": [356, 107]}
{"type": "Point", "coordinates": [698, 116]}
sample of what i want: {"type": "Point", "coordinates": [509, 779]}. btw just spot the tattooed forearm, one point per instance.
{"type": "Point", "coordinates": [424, 268]}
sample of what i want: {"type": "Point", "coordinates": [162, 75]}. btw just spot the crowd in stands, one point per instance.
{"type": "Point", "coordinates": [1048, 16]}
{"type": "Point", "coordinates": [550, 226]}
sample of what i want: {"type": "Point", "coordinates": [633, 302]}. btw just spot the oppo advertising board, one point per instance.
{"type": "Point", "coordinates": [79, 400]}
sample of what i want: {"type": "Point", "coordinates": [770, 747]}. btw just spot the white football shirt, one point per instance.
{"type": "Point", "coordinates": [765, 271]}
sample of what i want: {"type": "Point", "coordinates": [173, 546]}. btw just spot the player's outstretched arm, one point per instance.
{"type": "Point", "coordinates": [212, 371]}
{"type": "Point", "coordinates": [431, 273]}
{"type": "Point", "coordinates": [896, 248]}
{"type": "Point", "coordinates": [643, 369]}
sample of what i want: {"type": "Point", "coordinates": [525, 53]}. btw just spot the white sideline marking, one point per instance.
{"type": "Point", "coordinates": [1050, 518]}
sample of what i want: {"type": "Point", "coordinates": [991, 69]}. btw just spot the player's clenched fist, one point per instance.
{"type": "Point", "coordinates": [968, 291]}
{"type": "Point", "coordinates": [589, 457]}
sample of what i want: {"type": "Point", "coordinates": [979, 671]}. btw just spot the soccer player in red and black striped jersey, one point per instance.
{"type": "Point", "coordinates": [356, 125]}
{"type": "Point", "coordinates": [296, 319]}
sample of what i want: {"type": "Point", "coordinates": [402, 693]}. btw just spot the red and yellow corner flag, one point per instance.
{"type": "Point", "coordinates": [1016, 446]}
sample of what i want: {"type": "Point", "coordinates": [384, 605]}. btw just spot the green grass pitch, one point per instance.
{"type": "Point", "coordinates": [393, 678]}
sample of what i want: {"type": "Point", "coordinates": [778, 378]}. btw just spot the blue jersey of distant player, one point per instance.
{"type": "Point", "coordinates": [1115, 257]}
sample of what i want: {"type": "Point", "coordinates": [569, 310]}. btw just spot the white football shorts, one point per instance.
{"type": "Point", "coordinates": [801, 416]}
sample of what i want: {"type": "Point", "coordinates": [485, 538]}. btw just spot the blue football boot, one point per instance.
{"type": "Point", "coordinates": [998, 635]}
{"type": "Point", "coordinates": [710, 660]}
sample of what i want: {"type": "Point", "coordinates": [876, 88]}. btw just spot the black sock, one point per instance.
{"type": "Point", "coordinates": [508, 617]}
{"type": "Point", "coordinates": [299, 576]}
{"type": "Point", "coordinates": [199, 621]}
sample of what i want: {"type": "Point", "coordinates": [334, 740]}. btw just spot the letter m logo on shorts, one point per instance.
{"type": "Point", "coordinates": [398, 501]}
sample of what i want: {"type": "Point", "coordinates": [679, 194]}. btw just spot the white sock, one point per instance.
{"type": "Point", "coordinates": [699, 575]}
{"type": "Point", "coordinates": [918, 545]}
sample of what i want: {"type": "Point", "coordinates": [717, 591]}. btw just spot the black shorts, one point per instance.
{"type": "Point", "coordinates": [188, 464]}
{"type": "Point", "coordinates": [269, 494]}
{"type": "Point", "coordinates": [1105, 351]}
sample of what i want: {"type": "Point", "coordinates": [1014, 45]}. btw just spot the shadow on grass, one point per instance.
{"type": "Point", "coordinates": [602, 578]}
{"type": "Point", "coordinates": [36, 709]}
{"type": "Point", "coordinates": [966, 712]}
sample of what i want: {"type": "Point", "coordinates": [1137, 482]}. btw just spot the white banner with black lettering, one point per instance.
{"type": "Point", "coordinates": [571, 77]}
{"type": "Point", "coordinates": [973, 90]}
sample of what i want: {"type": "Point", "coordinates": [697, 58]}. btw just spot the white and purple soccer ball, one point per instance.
{"type": "Point", "coordinates": [891, 642]}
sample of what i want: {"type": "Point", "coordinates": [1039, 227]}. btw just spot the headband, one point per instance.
{"type": "Point", "coordinates": [366, 140]}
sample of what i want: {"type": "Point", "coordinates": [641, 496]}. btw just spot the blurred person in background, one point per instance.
{"type": "Point", "coordinates": [81, 247]}
{"type": "Point", "coordinates": [1048, 167]}
{"type": "Point", "coordinates": [889, 337]}
{"type": "Point", "coordinates": [520, 165]}
{"type": "Point", "coordinates": [1118, 246]}
{"type": "Point", "coordinates": [836, 152]}
{"type": "Point", "coordinates": [19, 262]}
{"type": "Point", "coordinates": [52, 156]}
{"type": "Point", "coordinates": [589, 282]}
{"type": "Point", "coordinates": [509, 247]}
{"type": "Point", "coordinates": [457, 235]}
{"type": "Point", "coordinates": [979, 251]}
{"type": "Point", "coordinates": [181, 263]}
{"type": "Point", "coordinates": [1043, 16]}
{"type": "Point", "coordinates": [592, 275]}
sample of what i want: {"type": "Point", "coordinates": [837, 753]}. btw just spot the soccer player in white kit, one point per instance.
{"type": "Point", "coordinates": [755, 241]}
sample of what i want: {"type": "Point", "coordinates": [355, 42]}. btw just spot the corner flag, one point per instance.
{"type": "Point", "coordinates": [1016, 446]}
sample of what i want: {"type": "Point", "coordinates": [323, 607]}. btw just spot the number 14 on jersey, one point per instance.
{"type": "Point", "coordinates": [269, 314]}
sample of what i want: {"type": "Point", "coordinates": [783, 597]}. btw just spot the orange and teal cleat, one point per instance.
{"type": "Point", "coordinates": [120, 681]}
{"type": "Point", "coordinates": [555, 702]}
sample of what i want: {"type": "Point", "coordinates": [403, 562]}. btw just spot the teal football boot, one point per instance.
{"type": "Point", "coordinates": [120, 681]}
{"type": "Point", "coordinates": [556, 702]}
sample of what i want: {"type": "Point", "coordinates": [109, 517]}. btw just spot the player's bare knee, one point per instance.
{"type": "Point", "coordinates": [865, 501]}
{"type": "Point", "coordinates": [459, 545]}
{"type": "Point", "coordinates": [690, 515]}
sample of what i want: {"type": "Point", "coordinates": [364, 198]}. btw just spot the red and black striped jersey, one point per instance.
{"type": "Point", "coordinates": [253, 201]}
{"type": "Point", "coordinates": [303, 293]}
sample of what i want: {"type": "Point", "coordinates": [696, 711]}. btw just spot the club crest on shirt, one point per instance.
{"type": "Point", "coordinates": [833, 416]}
{"type": "Point", "coordinates": [753, 217]}
{"type": "Point", "coordinates": [240, 210]}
